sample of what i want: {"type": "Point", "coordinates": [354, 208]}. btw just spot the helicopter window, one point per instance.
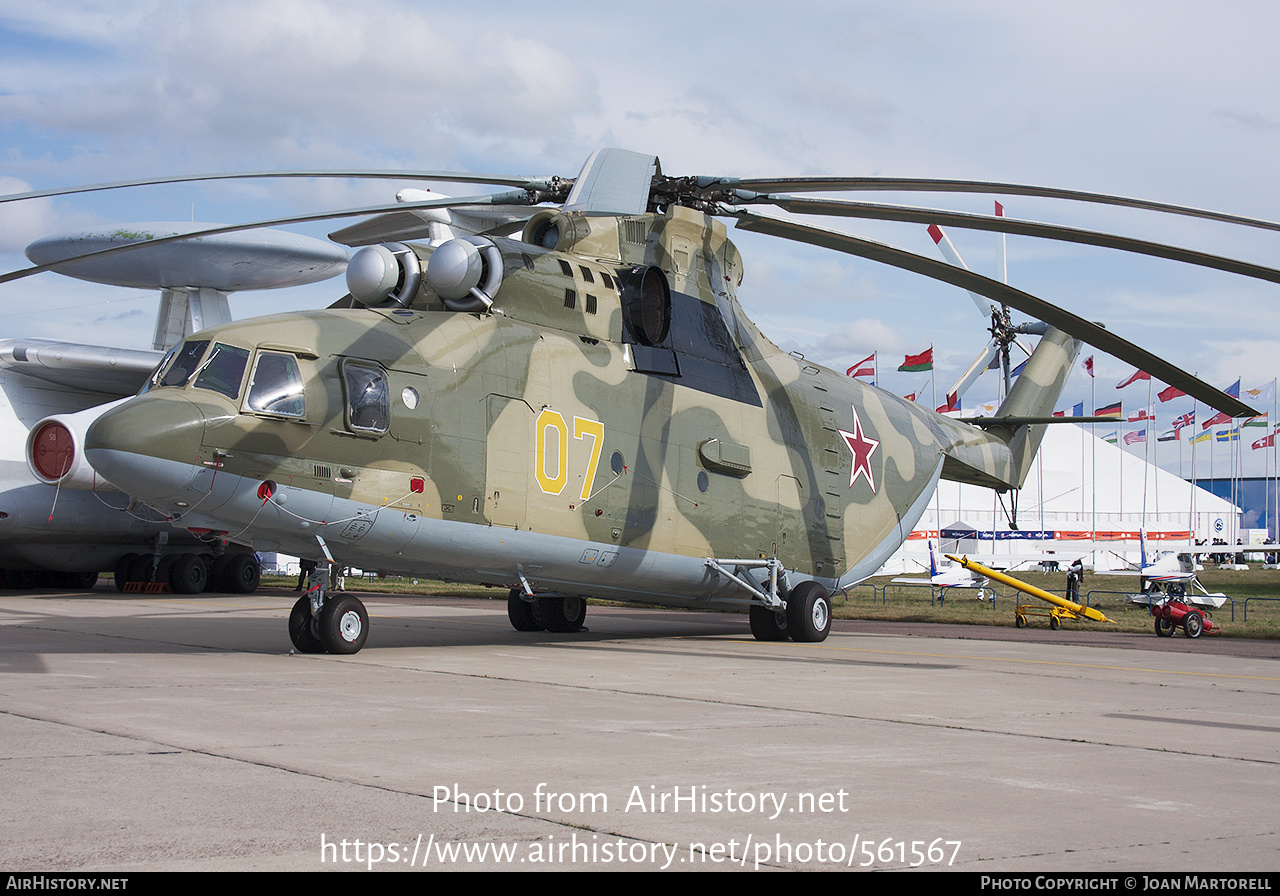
{"type": "Point", "coordinates": [276, 386]}
{"type": "Point", "coordinates": [368, 397]}
{"type": "Point", "coordinates": [224, 370]}
{"type": "Point", "coordinates": [183, 363]}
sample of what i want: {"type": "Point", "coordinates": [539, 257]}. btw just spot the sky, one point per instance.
{"type": "Point", "coordinates": [1170, 101]}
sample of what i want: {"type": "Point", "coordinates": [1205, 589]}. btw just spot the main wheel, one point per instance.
{"type": "Point", "coordinates": [344, 624]}
{"type": "Point", "coordinates": [1054, 623]}
{"type": "Point", "coordinates": [520, 612]}
{"type": "Point", "coordinates": [560, 614]}
{"type": "Point", "coordinates": [189, 574]}
{"type": "Point", "coordinates": [123, 568]}
{"type": "Point", "coordinates": [767, 625]}
{"type": "Point", "coordinates": [808, 612]}
{"type": "Point", "coordinates": [1192, 624]}
{"type": "Point", "coordinates": [301, 631]}
{"type": "Point", "coordinates": [1164, 627]}
{"type": "Point", "coordinates": [241, 574]}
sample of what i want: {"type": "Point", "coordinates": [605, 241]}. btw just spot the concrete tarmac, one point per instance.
{"type": "Point", "coordinates": [171, 733]}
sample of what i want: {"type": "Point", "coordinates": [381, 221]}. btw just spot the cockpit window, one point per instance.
{"type": "Point", "coordinates": [224, 370]}
{"type": "Point", "coordinates": [368, 397]}
{"type": "Point", "coordinates": [183, 362]}
{"type": "Point", "coordinates": [276, 386]}
{"type": "Point", "coordinates": [154, 379]}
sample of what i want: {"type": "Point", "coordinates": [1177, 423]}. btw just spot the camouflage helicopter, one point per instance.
{"type": "Point", "coordinates": [584, 410]}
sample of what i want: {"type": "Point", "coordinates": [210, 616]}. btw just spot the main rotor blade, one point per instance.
{"type": "Point", "coordinates": [912, 214]}
{"type": "Point", "coordinates": [1028, 304]}
{"type": "Point", "coordinates": [932, 185]}
{"type": "Point", "coordinates": [497, 180]}
{"type": "Point", "coordinates": [519, 197]}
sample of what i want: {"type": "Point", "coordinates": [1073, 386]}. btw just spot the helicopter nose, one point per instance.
{"type": "Point", "coordinates": [147, 446]}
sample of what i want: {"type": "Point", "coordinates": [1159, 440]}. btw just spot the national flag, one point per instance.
{"type": "Point", "coordinates": [1077, 410]}
{"type": "Point", "coordinates": [1017, 371]}
{"type": "Point", "coordinates": [1111, 437]}
{"type": "Point", "coordinates": [1268, 442]}
{"type": "Point", "coordinates": [1143, 414]}
{"type": "Point", "coordinates": [861, 368]}
{"type": "Point", "coordinates": [1088, 365]}
{"type": "Point", "coordinates": [1216, 419]}
{"type": "Point", "coordinates": [1171, 435]}
{"type": "Point", "coordinates": [953, 402]}
{"type": "Point", "coordinates": [922, 361]}
{"type": "Point", "coordinates": [1260, 420]}
{"type": "Point", "coordinates": [1185, 420]}
{"type": "Point", "coordinates": [1133, 438]}
{"type": "Point", "coordinates": [1234, 389]}
{"type": "Point", "coordinates": [1203, 437]}
{"type": "Point", "coordinates": [1227, 435]}
{"type": "Point", "coordinates": [911, 397]}
{"type": "Point", "coordinates": [1138, 375]}
{"type": "Point", "coordinates": [1262, 394]}
{"type": "Point", "coordinates": [1111, 410]}
{"type": "Point", "coordinates": [1169, 394]}
{"type": "Point", "coordinates": [999, 209]}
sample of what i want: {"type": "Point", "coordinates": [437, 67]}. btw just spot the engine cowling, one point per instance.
{"type": "Point", "coordinates": [466, 273]}
{"type": "Point", "coordinates": [55, 450]}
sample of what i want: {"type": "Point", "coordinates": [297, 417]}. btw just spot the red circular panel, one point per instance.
{"type": "Point", "coordinates": [53, 450]}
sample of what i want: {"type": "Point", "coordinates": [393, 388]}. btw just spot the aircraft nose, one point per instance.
{"type": "Point", "coordinates": [147, 443]}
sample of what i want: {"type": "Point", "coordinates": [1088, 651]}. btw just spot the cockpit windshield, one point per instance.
{"type": "Point", "coordinates": [224, 370]}
{"type": "Point", "coordinates": [182, 363]}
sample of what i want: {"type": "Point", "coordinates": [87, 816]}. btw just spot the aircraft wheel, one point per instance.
{"type": "Point", "coordinates": [189, 574]}
{"type": "Point", "coordinates": [808, 612]}
{"type": "Point", "coordinates": [140, 569]}
{"type": "Point", "coordinates": [124, 567]}
{"type": "Point", "coordinates": [520, 612]}
{"type": "Point", "coordinates": [241, 574]}
{"type": "Point", "coordinates": [1054, 623]}
{"type": "Point", "coordinates": [1019, 621]}
{"type": "Point", "coordinates": [560, 614]}
{"type": "Point", "coordinates": [767, 625]}
{"type": "Point", "coordinates": [344, 624]}
{"type": "Point", "coordinates": [1192, 624]}
{"type": "Point", "coordinates": [1164, 627]}
{"type": "Point", "coordinates": [301, 631]}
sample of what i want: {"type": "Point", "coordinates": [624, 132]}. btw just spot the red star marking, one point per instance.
{"type": "Point", "coordinates": [862, 448]}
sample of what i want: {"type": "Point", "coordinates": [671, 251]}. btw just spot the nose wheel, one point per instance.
{"type": "Point", "coordinates": [322, 624]}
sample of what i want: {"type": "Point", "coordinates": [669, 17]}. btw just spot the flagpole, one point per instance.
{"type": "Point", "coordinates": [1093, 448]}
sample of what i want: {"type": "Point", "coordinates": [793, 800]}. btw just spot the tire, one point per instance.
{"type": "Point", "coordinates": [344, 625]}
{"type": "Point", "coordinates": [1193, 624]}
{"type": "Point", "coordinates": [141, 569]}
{"type": "Point", "coordinates": [766, 625]}
{"type": "Point", "coordinates": [85, 580]}
{"type": "Point", "coordinates": [301, 631]}
{"type": "Point", "coordinates": [808, 613]}
{"type": "Point", "coordinates": [1164, 627]}
{"type": "Point", "coordinates": [241, 574]}
{"type": "Point", "coordinates": [520, 612]}
{"type": "Point", "coordinates": [1054, 623]}
{"type": "Point", "coordinates": [560, 614]}
{"type": "Point", "coordinates": [1019, 620]}
{"type": "Point", "coordinates": [124, 568]}
{"type": "Point", "coordinates": [189, 574]}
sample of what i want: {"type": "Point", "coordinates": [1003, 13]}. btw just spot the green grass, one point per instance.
{"type": "Point", "coordinates": [912, 604]}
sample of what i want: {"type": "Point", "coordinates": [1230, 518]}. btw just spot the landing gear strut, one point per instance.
{"type": "Point", "coordinates": [319, 623]}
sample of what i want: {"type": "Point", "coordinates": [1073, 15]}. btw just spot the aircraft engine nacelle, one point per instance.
{"type": "Point", "coordinates": [388, 271]}
{"type": "Point", "coordinates": [55, 450]}
{"type": "Point", "coordinates": [466, 273]}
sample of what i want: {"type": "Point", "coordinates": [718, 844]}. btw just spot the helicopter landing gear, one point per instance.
{"type": "Point", "coordinates": [322, 624]}
{"type": "Point", "coordinates": [560, 614]}
{"type": "Point", "coordinates": [767, 625]}
{"type": "Point", "coordinates": [808, 612]}
{"type": "Point", "coordinates": [520, 612]}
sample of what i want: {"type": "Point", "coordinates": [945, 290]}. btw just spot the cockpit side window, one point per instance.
{"type": "Point", "coordinates": [276, 386]}
{"type": "Point", "coordinates": [182, 362]}
{"type": "Point", "coordinates": [224, 370]}
{"type": "Point", "coordinates": [368, 396]}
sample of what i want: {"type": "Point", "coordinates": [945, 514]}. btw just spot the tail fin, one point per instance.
{"type": "Point", "coordinates": [1000, 456]}
{"type": "Point", "coordinates": [933, 563]}
{"type": "Point", "coordinates": [1142, 546]}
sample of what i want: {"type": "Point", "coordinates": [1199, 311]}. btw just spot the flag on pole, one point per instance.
{"type": "Point", "coordinates": [1172, 435]}
{"type": "Point", "coordinates": [1111, 437]}
{"type": "Point", "coordinates": [1260, 420]}
{"type": "Point", "coordinates": [1203, 437]}
{"type": "Point", "coordinates": [1262, 394]}
{"type": "Point", "coordinates": [1228, 435]}
{"type": "Point", "coordinates": [1088, 365]}
{"type": "Point", "coordinates": [911, 397]}
{"type": "Point", "coordinates": [1142, 414]}
{"type": "Point", "coordinates": [1137, 375]}
{"type": "Point", "coordinates": [1169, 394]}
{"type": "Point", "coordinates": [1111, 410]}
{"type": "Point", "coordinates": [1216, 419]}
{"type": "Point", "coordinates": [861, 368]}
{"type": "Point", "coordinates": [922, 361]}
{"type": "Point", "coordinates": [1267, 442]}
{"type": "Point", "coordinates": [1133, 438]}
{"type": "Point", "coordinates": [953, 403]}
{"type": "Point", "coordinates": [1185, 420]}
